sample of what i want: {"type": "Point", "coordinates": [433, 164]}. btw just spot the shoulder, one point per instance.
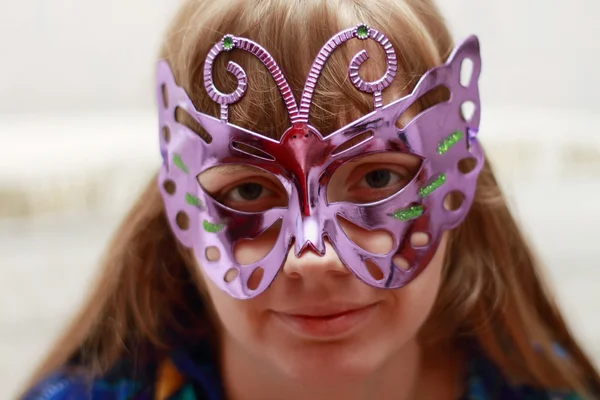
{"type": "Point", "coordinates": [63, 385]}
{"type": "Point", "coordinates": [485, 381]}
{"type": "Point", "coordinates": [479, 389]}
{"type": "Point", "coordinates": [57, 385]}
{"type": "Point", "coordinates": [181, 374]}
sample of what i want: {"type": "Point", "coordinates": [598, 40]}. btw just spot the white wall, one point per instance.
{"type": "Point", "coordinates": [87, 65]}
{"type": "Point", "coordinates": [536, 52]}
{"type": "Point", "coordinates": [62, 55]}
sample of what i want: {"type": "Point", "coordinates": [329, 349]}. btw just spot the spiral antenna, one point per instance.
{"type": "Point", "coordinates": [362, 32]}
{"type": "Point", "coordinates": [228, 43]}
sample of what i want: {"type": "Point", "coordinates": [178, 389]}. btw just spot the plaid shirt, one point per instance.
{"type": "Point", "coordinates": [193, 375]}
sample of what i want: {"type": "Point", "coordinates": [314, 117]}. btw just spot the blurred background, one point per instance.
{"type": "Point", "coordinates": [78, 141]}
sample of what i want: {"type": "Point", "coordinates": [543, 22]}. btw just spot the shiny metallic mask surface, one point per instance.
{"type": "Point", "coordinates": [303, 161]}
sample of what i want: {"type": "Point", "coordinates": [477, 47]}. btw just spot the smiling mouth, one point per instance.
{"type": "Point", "coordinates": [325, 323]}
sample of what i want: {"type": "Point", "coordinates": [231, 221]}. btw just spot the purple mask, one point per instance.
{"type": "Point", "coordinates": [303, 160]}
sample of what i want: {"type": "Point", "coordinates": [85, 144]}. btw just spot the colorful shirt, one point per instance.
{"type": "Point", "coordinates": [193, 375]}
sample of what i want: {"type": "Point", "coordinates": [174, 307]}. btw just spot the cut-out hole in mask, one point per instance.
{"type": "Point", "coordinates": [230, 275]}
{"type": "Point", "coordinates": [377, 241]}
{"type": "Point", "coordinates": [213, 253]}
{"type": "Point", "coordinates": [467, 110]}
{"type": "Point", "coordinates": [255, 278]}
{"type": "Point", "coordinates": [252, 151]}
{"type": "Point", "coordinates": [401, 262]}
{"type": "Point", "coordinates": [249, 251]}
{"type": "Point", "coordinates": [169, 186]}
{"type": "Point", "coordinates": [432, 97]}
{"type": "Point", "coordinates": [356, 141]}
{"type": "Point", "coordinates": [166, 134]}
{"type": "Point", "coordinates": [371, 178]}
{"type": "Point", "coordinates": [182, 220]}
{"type": "Point", "coordinates": [466, 72]}
{"type": "Point", "coordinates": [466, 165]}
{"type": "Point", "coordinates": [374, 270]}
{"type": "Point", "coordinates": [165, 95]}
{"type": "Point", "coordinates": [244, 187]}
{"type": "Point", "coordinates": [419, 239]}
{"type": "Point", "coordinates": [185, 119]}
{"type": "Point", "coordinates": [453, 200]}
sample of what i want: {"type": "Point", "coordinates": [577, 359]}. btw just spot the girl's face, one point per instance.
{"type": "Point", "coordinates": [317, 322]}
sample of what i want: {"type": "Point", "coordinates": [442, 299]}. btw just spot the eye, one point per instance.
{"type": "Point", "coordinates": [372, 177]}
{"type": "Point", "coordinates": [244, 188]}
{"type": "Point", "coordinates": [250, 191]}
{"type": "Point", "coordinates": [253, 196]}
{"type": "Point", "coordinates": [378, 179]}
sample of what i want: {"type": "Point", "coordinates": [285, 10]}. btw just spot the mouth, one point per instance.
{"type": "Point", "coordinates": [326, 322]}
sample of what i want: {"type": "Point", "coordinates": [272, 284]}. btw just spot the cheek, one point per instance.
{"type": "Point", "coordinates": [410, 306]}
{"type": "Point", "coordinates": [376, 242]}
{"type": "Point", "coordinates": [249, 251]}
{"type": "Point", "coordinates": [241, 319]}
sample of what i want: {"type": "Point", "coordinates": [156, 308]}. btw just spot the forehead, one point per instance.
{"type": "Point", "coordinates": [233, 169]}
{"type": "Point", "coordinates": [376, 157]}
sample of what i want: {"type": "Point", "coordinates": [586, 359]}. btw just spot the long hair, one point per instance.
{"type": "Point", "coordinates": [149, 287]}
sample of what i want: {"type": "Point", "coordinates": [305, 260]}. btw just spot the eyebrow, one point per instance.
{"type": "Point", "coordinates": [231, 169]}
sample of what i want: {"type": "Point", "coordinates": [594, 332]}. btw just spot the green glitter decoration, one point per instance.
{"type": "Point", "coordinates": [212, 228]}
{"type": "Point", "coordinates": [449, 141]}
{"type": "Point", "coordinates": [362, 32]}
{"type": "Point", "coordinates": [409, 213]}
{"type": "Point", "coordinates": [427, 190]}
{"type": "Point", "coordinates": [192, 200]}
{"type": "Point", "coordinates": [227, 43]}
{"type": "Point", "coordinates": [179, 163]}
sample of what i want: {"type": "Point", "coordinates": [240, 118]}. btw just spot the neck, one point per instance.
{"type": "Point", "coordinates": [413, 373]}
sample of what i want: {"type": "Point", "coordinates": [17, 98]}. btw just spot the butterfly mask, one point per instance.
{"type": "Point", "coordinates": [303, 162]}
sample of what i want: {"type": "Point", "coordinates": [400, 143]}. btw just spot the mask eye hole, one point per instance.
{"type": "Point", "coordinates": [244, 187]}
{"type": "Point", "coordinates": [373, 177]}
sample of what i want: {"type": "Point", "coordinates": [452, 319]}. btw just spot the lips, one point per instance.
{"type": "Point", "coordinates": [326, 321]}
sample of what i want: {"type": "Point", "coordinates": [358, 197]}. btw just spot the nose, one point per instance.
{"type": "Point", "coordinates": [309, 263]}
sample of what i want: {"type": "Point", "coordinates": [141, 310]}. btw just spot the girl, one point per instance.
{"type": "Point", "coordinates": [324, 225]}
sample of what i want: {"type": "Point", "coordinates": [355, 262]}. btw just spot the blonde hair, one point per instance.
{"type": "Point", "coordinates": [492, 290]}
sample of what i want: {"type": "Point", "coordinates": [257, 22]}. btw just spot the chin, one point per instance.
{"type": "Point", "coordinates": [322, 364]}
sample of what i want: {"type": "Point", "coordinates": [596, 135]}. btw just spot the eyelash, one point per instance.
{"type": "Point", "coordinates": [394, 170]}
{"type": "Point", "coordinates": [225, 194]}
{"type": "Point", "coordinates": [400, 177]}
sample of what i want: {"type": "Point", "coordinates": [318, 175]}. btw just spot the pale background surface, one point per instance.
{"type": "Point", "coordinates": [77, 75]}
